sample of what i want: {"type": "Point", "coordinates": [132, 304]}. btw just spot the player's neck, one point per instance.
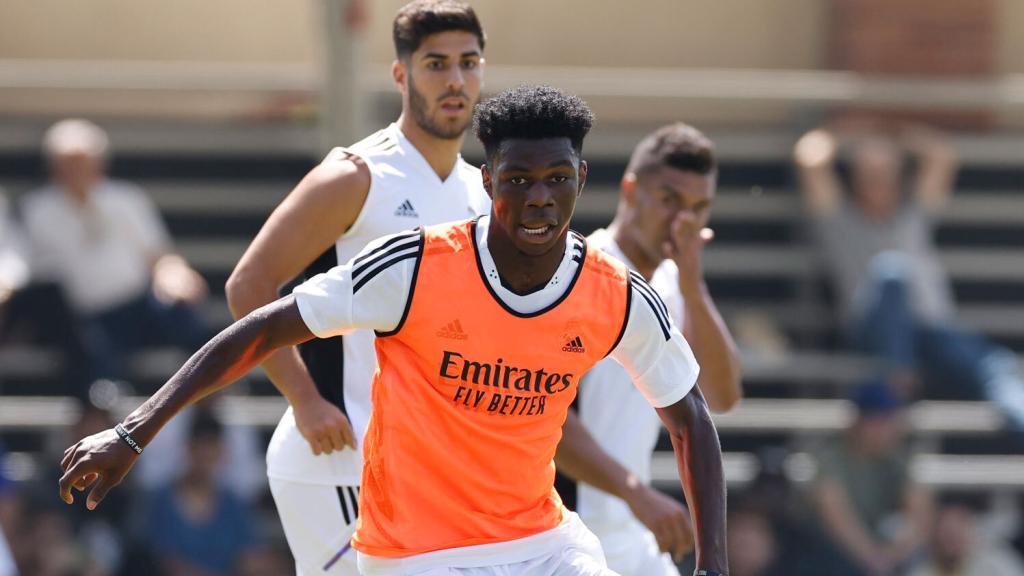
{"type": "Point", "coordinates": [632, 250]}
{"type": "Point", "coordinates": [440, 153]}
{"type": "Point", "coordinates": [522, 273]}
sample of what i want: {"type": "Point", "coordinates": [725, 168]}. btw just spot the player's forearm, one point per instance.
{"type": "Point", "coordinates": [247, 292]}
{"type": "Point", "coordinates": [699, 459]}
{"type": "Point", "coordinates": [715, 350]}
{"type": "Point", "coordinates": [221, 361]}
{"type": "Point", "coordinates": [581, 458]}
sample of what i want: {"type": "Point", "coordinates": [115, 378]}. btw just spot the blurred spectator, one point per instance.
{"type": "Point", "coordinates": [7, 566]}
{"type": "Point", "coordinates": [103, 241]}
{"type": "Point", "coordinates": [196, 527]}
{"type": "Point", "coordinates": [895, 295]}
{"type": "Point", "coordinates": [100, 533]}
{"type": "Point", "coordinates": [13, 265]}
{"type": "Point", "coordinates": [797, 548]}
{"type": "Point", "coordinates": [870, 507]}
{"type": "Point", "coordinates": [957, 549]}
{"type": "Point", "coordinates": [49, 547]}
{"type": "Point", "coordinates": [753, 550]}
{"type": "Point", "coordinates": [242, 470]}
{"type": "Point", "coordinates": [35, 313]}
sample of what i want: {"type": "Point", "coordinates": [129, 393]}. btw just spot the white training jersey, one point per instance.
{"type": "Point", "coordinates": [405, 193]}
{"type": "Point", "coordinates": [614, 411]}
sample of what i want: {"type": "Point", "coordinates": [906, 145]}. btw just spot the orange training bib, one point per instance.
{"type": "Point", "coordinates": [469, 399]}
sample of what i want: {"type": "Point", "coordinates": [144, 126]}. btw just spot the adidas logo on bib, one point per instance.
{"type": "Point", "coordinates": [406, 210]}
{"type": "Point", "coordinates": [574, 345]}
{"type": "Point", "coordinates": [453, 330]}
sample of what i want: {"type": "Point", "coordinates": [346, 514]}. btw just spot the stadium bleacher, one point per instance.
{"type": "Point", "coordinates": [761, 264]}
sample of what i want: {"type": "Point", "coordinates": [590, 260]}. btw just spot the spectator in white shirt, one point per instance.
{"type": "Point", "coordinates": [103, 241]}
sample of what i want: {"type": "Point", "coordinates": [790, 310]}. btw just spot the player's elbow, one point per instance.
{"type": "Point", "coordinates": [726, 400]}
{"type": "Point", "coordinates": [246, 291]}
{"type": "Point", "coordinates": [687, 418]}
{"type": "Point", "coordinates": [726, 397]}
{"type": "Point", "coordinates": [234, 291]}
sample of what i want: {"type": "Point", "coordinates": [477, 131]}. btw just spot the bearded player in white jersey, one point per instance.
{"type": "Point", "coordinates": [659, 231]}
{"type": "Point", "coordinates": [407, 175]}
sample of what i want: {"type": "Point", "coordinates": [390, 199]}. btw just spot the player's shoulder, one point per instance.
{"type": "Point", "coordinates": [384, 253]}
{"type": "Point", "coordinates": [597, 257]}
{"type": "Point", "coordinates": [645, 298]}
{"type": "Point", "coordinates": [340, 172]}
{"type": "Point", "coordinates": [382, 144]}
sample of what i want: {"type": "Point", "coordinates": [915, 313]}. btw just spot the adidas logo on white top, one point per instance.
{"type": "Point", "coordinates": [406, 210]}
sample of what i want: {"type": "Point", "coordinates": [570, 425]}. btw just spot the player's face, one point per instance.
{"type": "Point", "coordinates": [660, 196]}
{"type": "Point", "coordinates": [533, 185]}
{"type": "Point", "coordinates": [441, 81]}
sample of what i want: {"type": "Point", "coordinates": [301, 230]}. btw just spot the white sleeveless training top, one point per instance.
{"type": "Point", "coordinates": [405, 193]}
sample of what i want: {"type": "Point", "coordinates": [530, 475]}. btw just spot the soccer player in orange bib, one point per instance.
{"type": "Point", "coordinates": [484, 328]}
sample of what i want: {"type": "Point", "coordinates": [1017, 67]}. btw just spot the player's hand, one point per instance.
{"type": "Point", "coordinates": [685, 246]}
{"type": "Point", "coordinates": [100, 461]}
{"type": "Point", "coordinates": [175, 281]}
{"type": "Point", "coordinates": [666, 518]}
{"type": "Point", "coordinates": [324, 426]}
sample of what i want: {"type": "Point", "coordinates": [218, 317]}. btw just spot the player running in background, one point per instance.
{"type": "Point", "coordinates": [407, 175]}
{"type": "Point", "coordinates": [659, 231]}
{"type": "Point", "coordinates": [476, 374]}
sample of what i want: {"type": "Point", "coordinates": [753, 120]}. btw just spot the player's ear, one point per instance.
{"type": "Point", "coordinates": [581, 176]}
{"type": "Point", "coordinates": [628, 187]}
{"type": "Point", "coordinates": [398, 74]}
{"type": "Point", "coordinates": [485, 176]}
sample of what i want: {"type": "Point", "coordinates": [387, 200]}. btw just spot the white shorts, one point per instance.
{"type": "Point", "coordinates": [318, 523]}
{"type": "Point", "coordinates": [569, 550]}
{"type": "Point", "coordinates": [632, 550]}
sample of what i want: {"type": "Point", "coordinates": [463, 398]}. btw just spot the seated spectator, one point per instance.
{"type": "Point", "coordinates": [49, 547]}
{"type": "Point", "coordinates": [7, 566]}
{"type": "Point", "coordinates": [242, 470]}
{"type": "Point", "coordinates": [753, 549]}
{"type": "Point", "coordinates": [873, 511]}
{"type": "Point", "coordinates": [35, 313]}
{"type": "Point", "coordinates": [14, 272]}
{"type": "Point", "coordinates": [895, 296]}
{"type": "Point", "coordinates": [194, 526]}
{"type": "Point", "coordinates": [100, 533]}
{"type": "Point", "coordinates": [957, 549]}
{"type": "Point", "coordinates": [103, 241]}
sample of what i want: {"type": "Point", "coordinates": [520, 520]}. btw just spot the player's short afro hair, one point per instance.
{"type": "Point", "coordinates": [532, 113]}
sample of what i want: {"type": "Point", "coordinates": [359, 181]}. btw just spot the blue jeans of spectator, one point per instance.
{"type": "Point", "coordinates": [953, 362]}
{"type": "Point", "coordinates": [115, 334]}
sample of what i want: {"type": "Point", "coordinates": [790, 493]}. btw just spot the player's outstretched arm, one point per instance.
{"type": "Point", "coordinates": [103, 459]}
{"type": "Point", "coordinates": [699, 458]}
{"type": "Point", "coordinates": [581, 458]}
{"type": "Point", "coordinates": [315, 214]}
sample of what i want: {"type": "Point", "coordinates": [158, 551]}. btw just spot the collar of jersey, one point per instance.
{"type": "Point", "coordinates": [417, 158]}
{"type": "Point", "coordinates": [568, 270]}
